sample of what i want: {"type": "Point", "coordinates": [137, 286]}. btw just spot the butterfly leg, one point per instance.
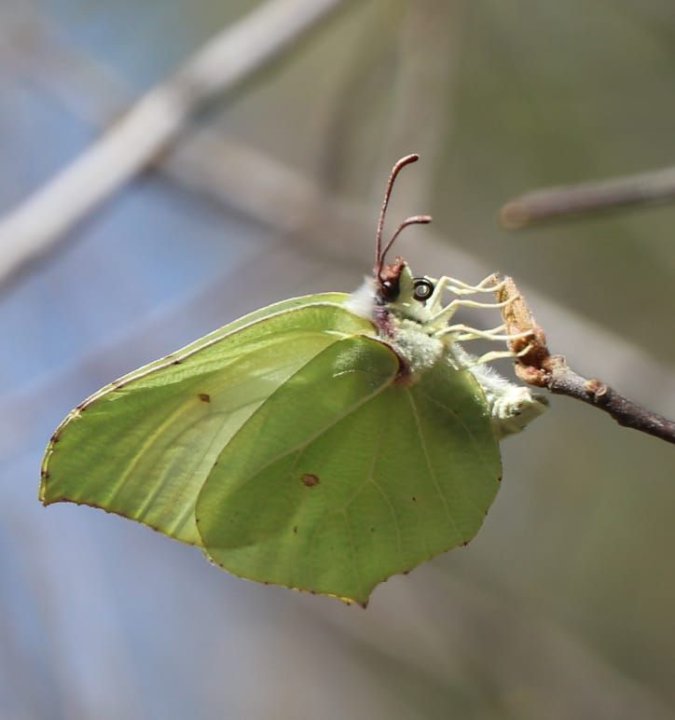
{"type": "Point", "coordinates": [467, 360]}
{"type": "Point", "coordinates": [489, 284]}
{"type": "Point", "coordinates": [445, 314]}
{"type": "Point", "coordinates": [511, 406]}
{"type": "Point", "coordinates": [466, 332]}
{"type": "Point", "coordinates": [501, 354]}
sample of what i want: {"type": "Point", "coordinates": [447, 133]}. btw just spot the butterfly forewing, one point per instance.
{"type": "Point", "coordinates": [144, 446]}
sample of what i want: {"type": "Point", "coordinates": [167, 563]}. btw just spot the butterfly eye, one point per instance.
{"type": "Point", "coordinates": [388, 291]}
{"type": "Point", "coordinates": [423, 289]}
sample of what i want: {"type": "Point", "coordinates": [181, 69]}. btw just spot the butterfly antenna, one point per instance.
{"type": "Point", "coordinates": [413, 220]}
{"type": "Point", "coordinates": [379, 255]}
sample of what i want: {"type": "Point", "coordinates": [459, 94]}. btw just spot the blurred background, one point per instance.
{"type": "Point", "coordinates": [562, 607]}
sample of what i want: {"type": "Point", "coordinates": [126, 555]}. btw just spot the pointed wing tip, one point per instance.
{"type": "Point", "coordinates": [360, 599]}
{"type": "Point", "coordinates": [48, 499]}
{"type": "Point", "coordinates": [361, 602]}
{"type": "Point", "coordinates": [42, 492]}
{"type": "Point", "coordinates": [45, 494]}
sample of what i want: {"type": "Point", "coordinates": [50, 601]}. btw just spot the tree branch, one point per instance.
{"type": "Point", "coordinates": [536, 366]}
{"type": "Point", "coordinates": [567, 201]}
{"type": "Point", "coordinates": [564, 381]}
{"type": "Point", "coordinates": [40, 223]}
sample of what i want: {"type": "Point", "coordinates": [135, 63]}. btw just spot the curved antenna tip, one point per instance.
{"type": "Point", "coordinates": [379, 254]}
{"type": "Point", "coordinates": [406, 160]}
{"type": "Point", "coordinates": [412, 220]}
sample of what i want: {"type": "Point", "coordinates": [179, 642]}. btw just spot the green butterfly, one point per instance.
{"type": "Point", "coordinates": [323, 443]}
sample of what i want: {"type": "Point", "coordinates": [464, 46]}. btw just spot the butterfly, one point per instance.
{"type": "Point", "coordinates": [323, 443]}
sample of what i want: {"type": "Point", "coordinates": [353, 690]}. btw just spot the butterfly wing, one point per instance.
{"type": "Point", "coordinates": [143, 446]}
{"type": "Point", "coordinates": [346, 474]}
{"type": "Point", "coordinates": [288, 448]}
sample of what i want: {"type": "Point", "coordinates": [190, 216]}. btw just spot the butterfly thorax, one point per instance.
{"type": "Point", "coordinates": [401, 320]}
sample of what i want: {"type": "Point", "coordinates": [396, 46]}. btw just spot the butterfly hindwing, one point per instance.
{"type": "Point", "coordinates": [347, 474]}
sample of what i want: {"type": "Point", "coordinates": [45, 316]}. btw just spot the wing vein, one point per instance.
{"type": "Point", "coordinates": [474, 440]}
{"type": "Point", "coordinates": [311, 438]}
{"type": "Point", "coordinates": [427, 458]}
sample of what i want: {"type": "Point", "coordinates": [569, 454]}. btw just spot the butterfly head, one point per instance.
{"type": "Point", "coordinates": [394, 282]}
{"type": "Point", "coordinates": [398, 290]}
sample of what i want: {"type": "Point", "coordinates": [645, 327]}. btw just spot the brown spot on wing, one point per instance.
{"type": "Point", "coordinates": [309, 480]}
{"type": "Point", "coordinates": [204, 397]}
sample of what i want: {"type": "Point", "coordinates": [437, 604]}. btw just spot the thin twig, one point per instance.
{"type": "Point", "coordinates": [567, 201]}
{"type": "Point", "coordinates": [41, 222]}
{"type": "Point", "coordinates": [564, 381]}
{"type": "Point", "coordinates": [536, 366]}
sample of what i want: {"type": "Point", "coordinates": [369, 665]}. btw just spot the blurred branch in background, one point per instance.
{"type": "Point", "coordinates": [571, 201]}
{"type": "Point", "coordinates": [42, 221]}
{"type": "Point", "coordinates": [419, 67]}
{"type": "Point", "coordinates": [426, 79]}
